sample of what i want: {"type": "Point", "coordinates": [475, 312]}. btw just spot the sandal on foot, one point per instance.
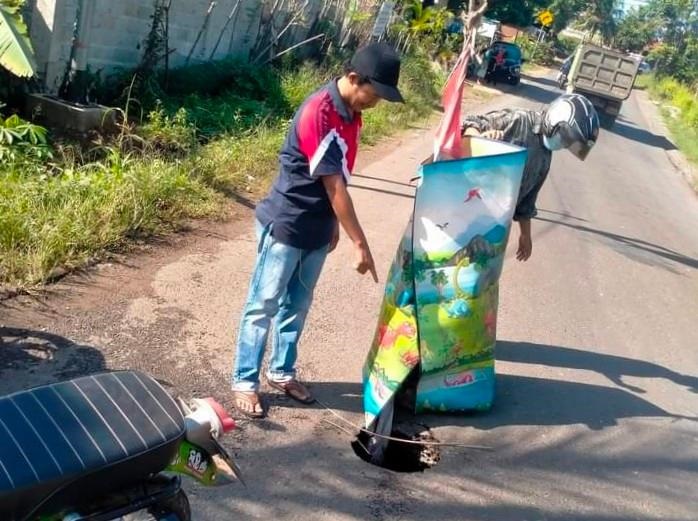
{"type": "Point", "coordinates": [293, 389]}
{"type": "Point", "coordinates": [249, 404]}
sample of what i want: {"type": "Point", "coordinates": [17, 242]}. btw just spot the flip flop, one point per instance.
{"type": "Point", "coordinates": [293, 389]}
{"type": "Point", "coordinates": [253, 400]}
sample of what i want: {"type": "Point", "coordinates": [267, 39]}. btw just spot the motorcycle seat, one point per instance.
{"type": "Point", "coordinates": [67, 442]}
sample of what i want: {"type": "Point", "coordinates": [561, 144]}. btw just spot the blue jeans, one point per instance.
{"type": "Point", "coordinates": [281, 290]}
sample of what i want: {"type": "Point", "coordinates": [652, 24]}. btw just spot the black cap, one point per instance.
{"type": "Point", "coordinates": [381, 65]}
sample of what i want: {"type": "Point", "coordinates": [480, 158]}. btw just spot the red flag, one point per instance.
{"type": "Point", "coordinates": [448, 141]}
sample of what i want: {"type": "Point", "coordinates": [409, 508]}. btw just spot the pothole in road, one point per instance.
{"type": "Point", "coordinates": [400, 456]}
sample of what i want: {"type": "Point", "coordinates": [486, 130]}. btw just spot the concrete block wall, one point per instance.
{"type": "Point", "coordinates": [187, 20]}
{"type": "Point", "coordinates": [51, 27]}
{"type": "Point", "coordinates": [112, 32]}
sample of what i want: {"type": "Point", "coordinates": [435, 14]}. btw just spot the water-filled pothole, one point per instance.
{"type": "Point", "coordinates": [400, 456]}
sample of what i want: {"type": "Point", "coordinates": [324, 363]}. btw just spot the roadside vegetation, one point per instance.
{"type": "Point", "coordinates": [63, 203]}
{"type": "Point", "coordinates": [187, 142]}
{"type": "Point", "coordinates": [679, 107]}
{"type": "Point", "coordinates": [190, 140]}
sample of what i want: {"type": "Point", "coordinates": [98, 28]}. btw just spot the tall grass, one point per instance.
{"type": "Point", "coordinates": [680, 96]}
{"type": "Point", "coordinates": [682, 121]}
{"type": "Point", "coordinates": [63, 219]}
{"type": "Point", "coordinates": [218, 134]}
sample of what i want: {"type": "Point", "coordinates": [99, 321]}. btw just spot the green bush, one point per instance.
{"type": "Point", "coordinates": [680, 96]}
{"type": "Point", "coordinates": [691, 117]}
{"type": "Point", "coordinates": [679, 63]}
{"type": "Point", "coordinates": [673, 91]}
{"type": "Point", "coordinates": [567, 44]}
{"type": "Point", "coordinates": [21, 141]}
{"type": "Point", "coordinates": [172, 135]}
{"type": "Point", "coordinates": [669, 87]}
{"type": "Point", "coordinates": [542, 53]}
{"type": "Point", "coordinates": [684, 100]}
{"type": "Point", "coordinates": [244, 162]}
{"type": "Point", "coordinates": [299, 82]}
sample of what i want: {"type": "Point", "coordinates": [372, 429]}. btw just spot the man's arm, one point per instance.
{"type": "Point", "coordinates": [344, 210]}
{"type": "Point", "coordinates": [493, 125]}
{"type": "Point", "coordinates": [475, 125]}
{"type": "Point", "coordinates": [525, 211]}
{"type": "Point", "coordinates": [335, 238]}
{"type": "Point", "coordinates": [525, 249]}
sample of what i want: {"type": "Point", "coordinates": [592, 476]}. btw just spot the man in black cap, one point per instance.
{"type": "Point", "coordinates": [298, 222]}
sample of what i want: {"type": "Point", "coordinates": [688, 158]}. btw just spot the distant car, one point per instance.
{"type": "Point", "coordinates": [509, 69]}
{"type": "Point", "coordinates": [644, 67]}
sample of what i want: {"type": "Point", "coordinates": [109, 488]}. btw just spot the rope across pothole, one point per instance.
{"type": "Point", "coordinates": [417, 453]}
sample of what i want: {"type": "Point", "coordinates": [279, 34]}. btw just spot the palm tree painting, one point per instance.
{"type": "Point", "coordinates": [438, 279]}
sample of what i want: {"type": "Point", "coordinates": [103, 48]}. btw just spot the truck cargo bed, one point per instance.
{"type": "Point", "coordinates": [604, 72]}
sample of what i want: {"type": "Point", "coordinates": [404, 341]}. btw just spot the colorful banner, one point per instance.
{"type": "Point", "coordinates": [439, 310]}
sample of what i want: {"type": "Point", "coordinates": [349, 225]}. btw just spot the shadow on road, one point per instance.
{"type": "Point", "coordinates": [543, 81]}
{"type": "Point", "coordinates": [524, 400]}
{"type": "Point", "coordinates": [566, 462]}
{"type": "Point", "coordinates": [625, 128]}
{"type": "Point", "coordinates": [29, 358]}
{"type": "Point", "coordinates": [631, 243]}
{"type": "Point", "coordinates": [611, 366]}
{"type": "Point", "coordinates": [563, 214]}
{"type": "Point", "coordinates": [353, 491]}
{"type": "Point", "coordinates": [348, 488]}
{"type": "Point", "coordinates": [541, 90]}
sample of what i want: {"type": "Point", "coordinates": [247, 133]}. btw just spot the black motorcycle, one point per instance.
{"type": "Point", "coordinates": [105, 447]}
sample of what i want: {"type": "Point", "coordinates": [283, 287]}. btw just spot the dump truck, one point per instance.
{"type": "Point", "coordinates": [605, 76]}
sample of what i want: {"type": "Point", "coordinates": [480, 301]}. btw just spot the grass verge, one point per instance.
{"type": "Point", "coordinates": [680, 113]}
{"type": "Point", "coordinates": [197, 146]}
{"type": "Point", "coordinates": [686, 139]}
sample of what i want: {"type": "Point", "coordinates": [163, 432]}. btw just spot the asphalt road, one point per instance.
{"type": "Point", "coordinates": [595, 418]}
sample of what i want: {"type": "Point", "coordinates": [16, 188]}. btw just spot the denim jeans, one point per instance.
{"type": "Point", "coordinates": [281, 290]}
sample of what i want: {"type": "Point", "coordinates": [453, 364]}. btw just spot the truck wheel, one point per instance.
{"type": "Point", "coordinates": [515, 80]}
{"type": "Point", "coordinates": [607, 121]}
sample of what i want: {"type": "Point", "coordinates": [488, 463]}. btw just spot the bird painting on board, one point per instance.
{"type": "Point", "coordinates": [475, 192]}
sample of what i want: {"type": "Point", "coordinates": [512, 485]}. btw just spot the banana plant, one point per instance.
{"type": "Point", "coordinates": [420, 23]}
{"type": "Point", "coordinates": [16, 53]}
{"type": "Point", "coordinates": [423, 20]}
{"type": "Point", "coordinates": [21, 139]}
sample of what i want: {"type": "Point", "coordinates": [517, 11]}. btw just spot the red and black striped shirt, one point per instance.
{"type": "Point", "coordinates": [323, 140]}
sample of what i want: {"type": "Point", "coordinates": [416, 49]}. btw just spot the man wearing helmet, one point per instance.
{"type": "Point", "coordinates": [569, 122]}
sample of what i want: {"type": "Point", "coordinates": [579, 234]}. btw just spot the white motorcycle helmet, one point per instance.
{"type": "Point", "coordinates": [571, 122]}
